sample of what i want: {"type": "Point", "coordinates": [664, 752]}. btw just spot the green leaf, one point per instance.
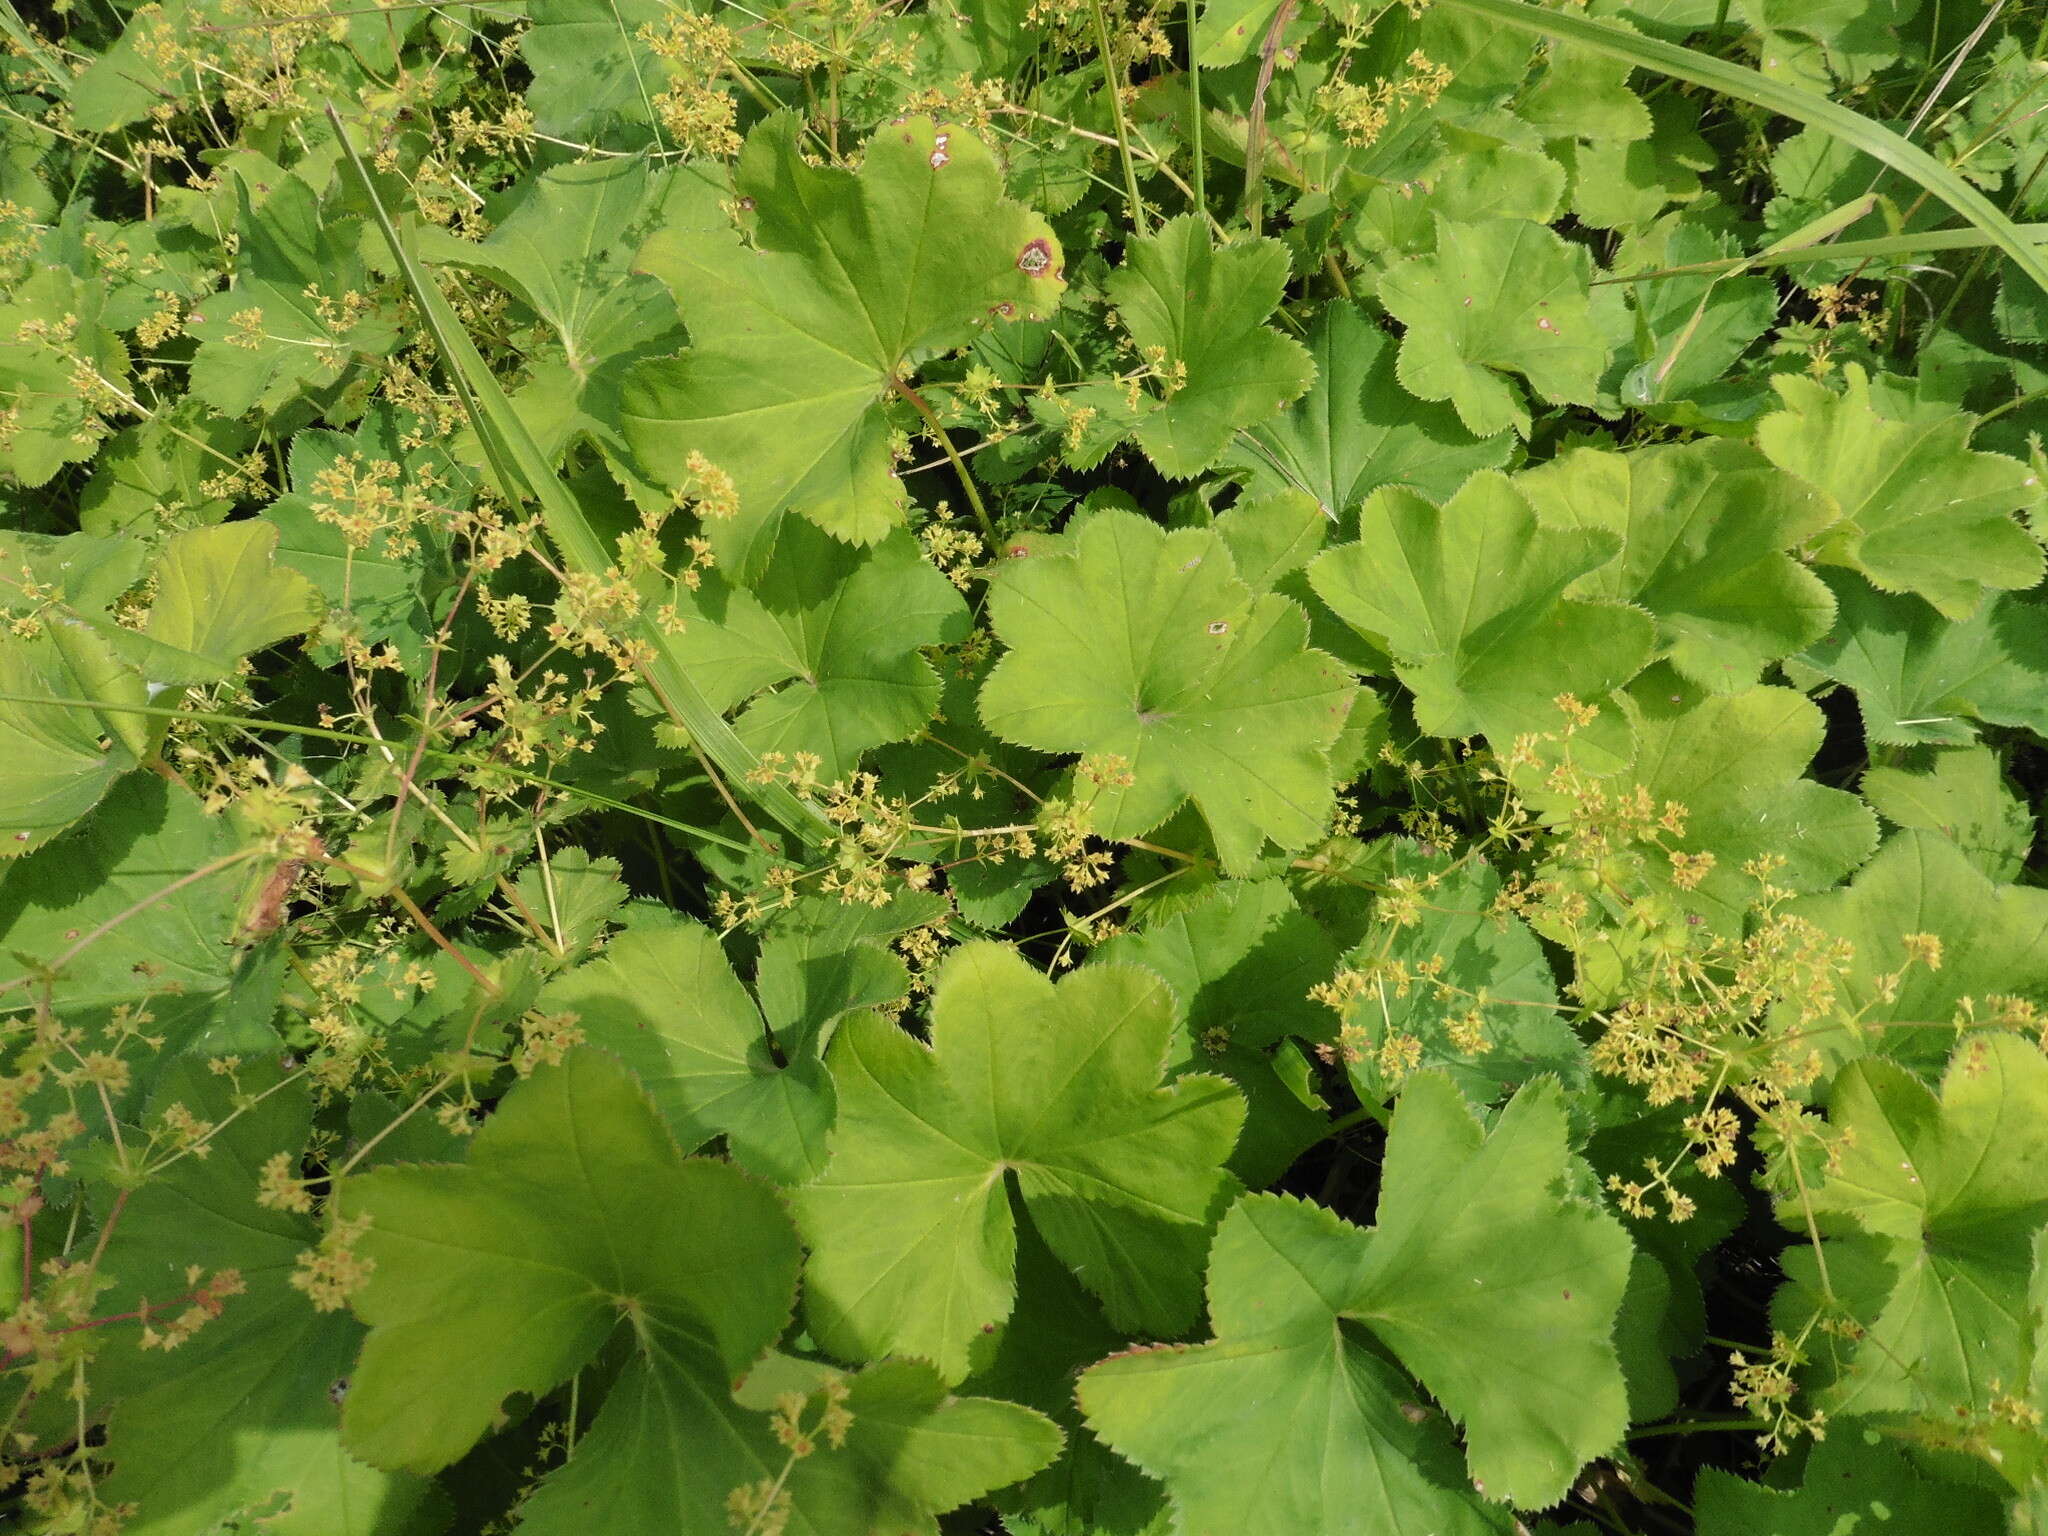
{"type": "Point", "coordinates": [85, 573]}
{"type": "Point", "coordinates": [135, 910]}
{"type": "Point", "coordinates": [56, 760]}
{"type": "Point", "coordinates": [1584, 95]}
{"type": "Point", "coordinates": [575, 1219]}
{"type": "Point", "coordinates": [1921, 511]}
{"type": "Point", "coordinates": [594, 75]}
{"type": "Point", "coordinates": [126, 80]}
{"type": "Point", "coordinates": [1922, 679]}
{"type": "Point", "coordinates": [1056, 1330]}
{"type": "Point", "coordinates": [1494, 1287]}
{"type": "Point", "coordinates": [836, 632]}
{"type": "Point", "coordinates": [49, 421]}
{"type": "Point", "coordinates": [1462, 965]}
{"type": "Point", "coordinates": [1706, 529]}
{"type": "Point", "coordinates": [1701, 67]}
{"type": "Point", "coordinates": [1965, 798]}
{"type": "Point", "coordinates": [1230, 29]}
{"type": "Point", "coordinates": [1496, 299]}
{"type": "Point", "coordinates": [160, 469]}
{"type": "Point", "coordinates": [1284, 1423]}
{"type": "Point", "coordinates": [572, 896]}
{"type": "Point", "coordinates": [1855, 1480]}
{"type": "Point", "coordinates": [220, 596]}
{"type": "Point", "coordinates": [1469, 599]}
{"type": "Point", "coordinates": [912, 1451]}
{"type": "Point", "coordinates": [507, 1273]}
{"type": "Point", "coordinates": [1994, 945]}
{"type": "Point", "coordinates": [1696, 325]}
{"type": "Point", "coordinates": [851, 280]}
{"type": "Point", "coordinates": [1453, 1284]}
{"type": "Point", "coordinates": [1144, 644]}
{"type": "Point", "coordinates": [1734, 763]}
{"type": "Point", "coordinates": [287, 326]}
{"type": "Point", "coordinates": [241, 1419]}
{"type": "Point", "coordinates": [1200, 312]}
{"type": "Point", "coordinates": [912, 1235]}
{"type": "Point", "coordinates": [382, 580]}
{"type": "Point", "coordinates": [1492, 166]}
{"type": "Point", "coordinates": [566, 250]}
{"type": "Point", "coordinates": [1356, 429]}
{"type": "Point", "coordinates": [665, 999]}
{"type": "Point", "coordinates": [1241, 960]}
{"type": "Point", "coordinates": [1928, 1216]}
{"type": "Point", "coordinates": [519, 469]}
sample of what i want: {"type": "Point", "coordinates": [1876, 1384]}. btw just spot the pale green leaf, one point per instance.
{"type": "Point", "coordinates": [1707, 530]}
{"type": "Point", "coordinates": [571, 896]}
{"type": "Point", "coordinates": [57, 760]}
{"type": "Point", "coordinates": [1356, 429]}
{"type": "Point", "coordinates": [799, 334]}
{"type": "Point", "coordinates": [1585, 95]}
{"type": "Point", "coordinates": [1734, 762]}
{"type": "Point", "coordinates": [1483, 1277]}
{"type": "Point", "coordinates": [566, 250]}
{"type": "Point", "coordinates": [1230, 29]}
{"type": "Point", "coordinates": [50, 422]}
{"type": "Point", "coordinates": [1965, 798]}
{"type": "Point", "coordinates": [1496, 300]}
{"type": "Point", "coordinates": [1927, 1215]}
{"type": "Point", "coordinates": [1469, 599]}
{"type": "Point", "coordinates": [1240, 960]}
{"type": "Point", "coordinates": [1993, 946]}
{"type": "Point", "coordinates": [912, 1240]}
{"type": "Point", "coordinates": [1920, 678]}
{"type": "Point", "coordinates": [1921, 511]}
{"type": "Point", "coordinates": [219, 596]}
{"type": "Point", "coordinates": [1201, 312]}
{"type": "Point", "coordinates": [823, 648]}
{"type": "Point", "coordinates": [160, 469]}
{"type": "Point", "coordinates": [1486, 975]}
{"type": "Point", "coordinates": [1143, 644]}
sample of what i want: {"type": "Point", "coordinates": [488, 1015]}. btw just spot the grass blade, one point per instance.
{"type": "Point", "coordinates": [521, 470]}
{"type": "Point", "coordinates": [1853, 128]}
{"type": "Point", "coordinates": [1923, 242]}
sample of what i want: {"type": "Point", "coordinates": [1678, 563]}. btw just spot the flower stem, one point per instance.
{"type": "Point", "coordinates": [1110, 78]}
{"type": "Point", "coordinates": [967, 484]}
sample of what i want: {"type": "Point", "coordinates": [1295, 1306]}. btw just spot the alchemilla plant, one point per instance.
{"type": "Point", "coordinates": [1057, 767]}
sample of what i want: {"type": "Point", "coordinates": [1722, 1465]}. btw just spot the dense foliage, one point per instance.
{"type": "Point", "coordinates": [1075, 767]}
